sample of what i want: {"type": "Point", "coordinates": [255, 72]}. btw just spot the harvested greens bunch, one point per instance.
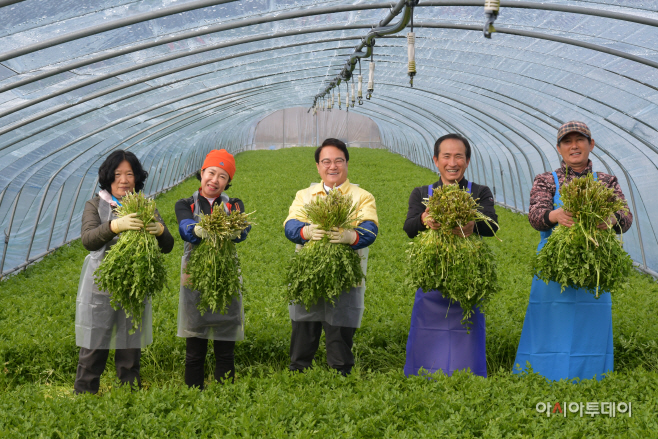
{"type": "Point", "coordinates": [321, 269]}
{"type": "Point", "coordinates": [133, 269]}
{"type": "Point", "coordinates": [584, 256]}
{"type": "Point", "coordinates": [462, 269]}
{"type": "Point", "coordinates": [214, 266]}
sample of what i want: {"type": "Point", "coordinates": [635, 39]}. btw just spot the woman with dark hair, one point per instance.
{"type": "Point", "coordinates": [98, 327]}
{"type": "Point", "coordinates": [224, 329]}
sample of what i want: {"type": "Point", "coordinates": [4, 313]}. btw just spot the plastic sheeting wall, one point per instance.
{"type": "Point", "coordinates": [171, 80]}
{"type": "Point", "coordinates": [299, 127]}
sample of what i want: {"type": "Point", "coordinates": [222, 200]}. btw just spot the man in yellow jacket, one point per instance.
{"type": "Point", "coordinates": [340, 320]}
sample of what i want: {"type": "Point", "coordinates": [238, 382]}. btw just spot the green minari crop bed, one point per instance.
{"type": "Point", "coordinates": [38, 355]}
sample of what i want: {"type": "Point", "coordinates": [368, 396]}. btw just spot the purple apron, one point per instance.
{"type": "Point", "coordinates": [440, 342]}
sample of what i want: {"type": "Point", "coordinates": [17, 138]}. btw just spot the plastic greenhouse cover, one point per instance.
{"type": "Point", "coordinates": [172, 79]}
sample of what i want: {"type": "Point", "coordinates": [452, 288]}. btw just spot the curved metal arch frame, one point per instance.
{"type": "Point", "coordinates": [50, 112]}
{"type": "Point", "coordinates": [498, 158]}
{"type": "Point", "coordinates": [28, 259]}
{"type": "Point", "coordinates": [79, 101]}
{"type": "Point", "coordinates": [45, 193]}
{"type": "Point", "coordinates": [559, 99]}
{"type": "Point", "coordinates": [352, 8]}
{"type": "Point", "coordinates": [87, 136]}
{"type": "Point", "coordinates": [621, 167]}
{"type": "Point", "coordinates": [643, 266]}
{"type": "Point", "coordinates": [178, 98]}
{"type": "Point", "coordinates": [160, 74]}
{"type": "Point", "coordinates": [138, 18]}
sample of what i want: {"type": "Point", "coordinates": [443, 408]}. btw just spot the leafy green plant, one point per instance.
{"type": "Point", "coordinates": [461, 268]}
{"type": "Point", "coordinates": [38, 356]}
{"type": "Point", "coordinates": [133, 269]}
{"type": "Point", "coordinates": [214, 266]}
{"type": "Point", "coordinates": [321, 269]}
{"type": "Point", "coordinates": [583, 255]}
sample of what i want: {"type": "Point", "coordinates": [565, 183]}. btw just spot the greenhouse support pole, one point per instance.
{"type": "Point", "coordinates": [156, 183]}
{"type": "Point", "coordinates": [502, 182]}
{"type": "Point", "coordinates": [637, 222]}
{"type": "Point", "coordinates": [52, 225]}
{"type": "Point", "coordinates": [511, 178]}
{"type": "Point", "coordinates": [75, 201]}
{"type": "Point", "coordinates": [178, 162]}
{"type": "Point", "coordinates": [283, 133]}
{"type": "Point", "coordinates": [170, 173]}
{"type": "Point", "coordinates": [156, 178]}
{"type": "Point", "coordinates": [8, 230]}
{"type": "Point", "coordinates": [317, 129]}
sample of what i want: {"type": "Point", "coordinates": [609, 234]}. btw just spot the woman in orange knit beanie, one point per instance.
{"type": "Point", "coordinates": [215, 176]}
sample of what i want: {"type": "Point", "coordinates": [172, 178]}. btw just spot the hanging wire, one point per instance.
{"type": "Point", "coordinates": [491, 8]}
{"type": "Point", "coordinates": [371, 75]}
{"type": "Point", "coordinates": [383, 28]}
{"type": "Point", "coordinates": [360, 91]}
{"type": "Point", "coordinates": [347, 96]}
{"type": "Point", "coordinates": [411, 51]}
{"type": "Point", "coordinates": [353, 92]}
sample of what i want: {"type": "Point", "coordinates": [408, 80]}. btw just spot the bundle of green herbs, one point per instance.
{"type": "Point", "coordinates": [214, 267]}
{"type": "Point", "coordinates": [133, 270]}
{"type": "Point", "coordinates": [583, 255]}
{"type": "Point", "coordinates": [321, 269]}
{"type": "Point", "coordinates": [461, 268]}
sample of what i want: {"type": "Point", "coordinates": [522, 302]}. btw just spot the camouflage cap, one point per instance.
{"type": "Point", "coordinates": [573, 127]}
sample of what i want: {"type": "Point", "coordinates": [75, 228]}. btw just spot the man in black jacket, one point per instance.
{"type": "Point", "coordinates": [452, 155]}
{"type": "Point", "coordinates": [437, 340]}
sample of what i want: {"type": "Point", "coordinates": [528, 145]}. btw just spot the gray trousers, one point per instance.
{"type": "Point", "coordinates": [91, 364]}
{"type": "Point", "coordinates": [305, 341]}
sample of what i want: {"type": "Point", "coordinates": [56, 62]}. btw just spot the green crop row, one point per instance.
{"type": "Point", "coordinates": [322, 404]}
{"type": "Point", "coordinates": [38, 355]}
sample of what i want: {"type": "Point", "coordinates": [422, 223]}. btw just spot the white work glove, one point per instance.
{"type": "Point", "coordinates": [342, 236]}
{"type": "Point", "coordinates": [128, 222]}
{"type": "Point", "coordinates": [313, 232]}
{"type": "Point", "coordinates": [198, 231]}
{"type": "Point", "coordinates": [154, 228]}
{"type": "Point", "coordinates": [236, 234]}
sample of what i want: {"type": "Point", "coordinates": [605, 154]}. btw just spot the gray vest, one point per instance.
{"type": "Point", "coordinates": [97, 324]}
{"type": "Point", "coordinates": [348, 308]}
{"type": "Point", "coordinates": [211, 326]}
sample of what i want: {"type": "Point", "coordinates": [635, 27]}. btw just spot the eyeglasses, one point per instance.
{"type": "Point", "coordinates": [338, 162]}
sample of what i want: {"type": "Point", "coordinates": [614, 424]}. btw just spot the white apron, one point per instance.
{"type": "Point", "coordinates": [97, 324]}
{"type": "Point", "coordinates": [210, 326]}
{"type": "Point", "coordinates": [349, 305]}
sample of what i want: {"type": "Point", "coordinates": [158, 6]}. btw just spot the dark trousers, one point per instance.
{"type": "Point", "coordinates": [305, 341]}
{"type": "Point", "coordinates": [91, 364]}
{"type": "Point", "coordinates": [195, 359]}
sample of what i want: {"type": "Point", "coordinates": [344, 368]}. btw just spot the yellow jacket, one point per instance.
{"type": "Point", "coordinates": [363, 201]}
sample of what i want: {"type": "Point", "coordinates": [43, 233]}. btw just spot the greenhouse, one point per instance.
{"type": "Point", "coordinates": [268, 81]}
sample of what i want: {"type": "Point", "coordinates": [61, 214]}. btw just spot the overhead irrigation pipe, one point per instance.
{"type": "Point", "coordinates": [404, 6]}
{"type": "Point", "coordinates": [116, 24]}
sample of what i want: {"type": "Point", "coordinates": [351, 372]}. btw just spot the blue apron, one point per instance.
{"type": "Point", "coordinates": [440, 342]}
{"type": "Point", "coordinates": [565, 335]}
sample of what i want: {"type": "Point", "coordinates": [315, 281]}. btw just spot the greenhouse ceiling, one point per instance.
{"type": "Point", "coordinates": [170, 80]}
